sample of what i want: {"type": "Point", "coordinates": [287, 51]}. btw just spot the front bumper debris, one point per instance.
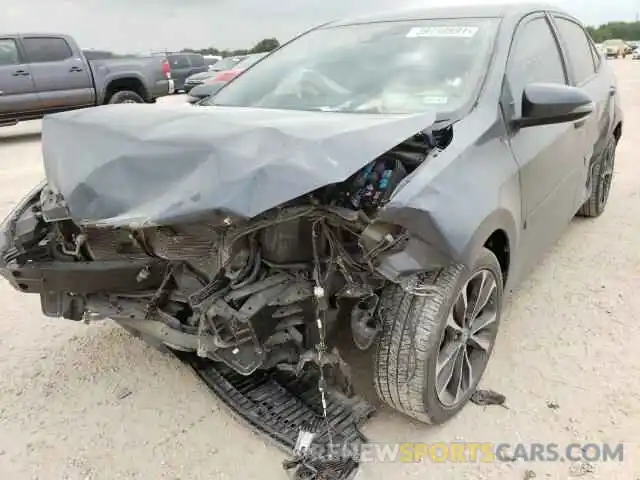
{"type": "Point", "coordinates": [280, 405]}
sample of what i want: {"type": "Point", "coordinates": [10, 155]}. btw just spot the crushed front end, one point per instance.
{"type": "Point", "coordinates": [256, 304]}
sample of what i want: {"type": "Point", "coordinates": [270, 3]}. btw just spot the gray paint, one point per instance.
{"type": "Point", "coordinates": [527, 183]}
{"type": "Point", "coordinates": [31, 90]}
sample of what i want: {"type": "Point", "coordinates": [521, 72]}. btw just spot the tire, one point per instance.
{"type": "Point", "coordinates": [125, 96]}
{"type": "Point", "coordinates": [601, 180]}
{"type": "Point", "coordinates": [413, 329]}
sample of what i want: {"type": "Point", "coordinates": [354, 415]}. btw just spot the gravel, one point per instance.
{"type": "Point", "coordinates": [91, 402]}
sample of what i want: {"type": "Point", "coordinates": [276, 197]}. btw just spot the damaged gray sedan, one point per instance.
{"type": "Point", "coordinates": [388, 178]}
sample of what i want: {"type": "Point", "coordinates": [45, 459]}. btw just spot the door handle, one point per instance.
{"type": "Point", "coordinates": [20, 73]}
{"type": "Point", "coordinates": [579, 123]}
{"type": "Point", "coordinates": [75, 69]}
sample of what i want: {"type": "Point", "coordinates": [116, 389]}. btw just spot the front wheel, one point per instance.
{"type": "Point", "coordinates": [434, 349]}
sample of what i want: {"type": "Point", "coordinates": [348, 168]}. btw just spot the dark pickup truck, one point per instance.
{"type": "Point", "coordinates": [44, 73]}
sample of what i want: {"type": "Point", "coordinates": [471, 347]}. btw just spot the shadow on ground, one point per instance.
{"type": "Point", "coordinates": [19, 138]}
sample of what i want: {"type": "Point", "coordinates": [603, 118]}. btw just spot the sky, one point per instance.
{"type": "Point", "coordinates": [142, 25]}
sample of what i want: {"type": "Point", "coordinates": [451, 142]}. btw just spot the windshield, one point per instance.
{"type": "Point", "coordinates": [386, 67]}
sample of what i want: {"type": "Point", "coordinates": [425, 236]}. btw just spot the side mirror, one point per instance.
{"type": "Point", "coordinates": [552, 103]}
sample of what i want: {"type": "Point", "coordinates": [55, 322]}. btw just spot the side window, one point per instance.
{"type": "Point", "coordinates": [196, 60]}
{"type": "Point", "coordinates": [46, 49]}
{"type": "Point", "coordinates": [578, 49]}
{"type": "Point", "coordinates": [534, 57]}
{"type": "Point", "coordinates": [179, 61]}
{"type": "Point", "coordinates": [8, 52]}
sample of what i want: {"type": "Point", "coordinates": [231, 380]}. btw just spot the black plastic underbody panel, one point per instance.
{"type": "Point", "coordinates": [86, 277]}
{"type": "Point", "coordinates": [279, 404]}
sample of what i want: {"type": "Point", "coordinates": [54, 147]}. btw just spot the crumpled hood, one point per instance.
{"type": "Point", "coordinates": [136, 164]}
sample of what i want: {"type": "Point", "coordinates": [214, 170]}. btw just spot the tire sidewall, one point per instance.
{"type": "Point", "coordinates": [610, 147]}
{"type": "Point", "coordinates": [438, 412]}
{"type": "Point", "coordinates": [122, 96]}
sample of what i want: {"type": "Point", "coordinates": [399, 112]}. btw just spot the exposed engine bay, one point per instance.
{"type": "Point", "coordinates": [255, 294]}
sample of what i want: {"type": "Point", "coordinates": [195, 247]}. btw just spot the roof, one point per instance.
{"type": "Point", "coordinates": [457, 11]}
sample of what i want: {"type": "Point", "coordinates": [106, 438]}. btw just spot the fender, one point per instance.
{"type": "Point", "coordinates": [433, 251]}
{"type": "Point", "coordinates": [106, 78]}
{"type": "Point", "coordinates": [455, 201]}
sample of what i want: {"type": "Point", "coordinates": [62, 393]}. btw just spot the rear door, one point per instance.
{"type": "Point", "coordinates": [17, 89]}
{"type": "Point", "coordinates": [586, 71]}
{"type": "Point", "coordinates": [551, 159]}
{"type": "Point", "coordinates": [62, 79]}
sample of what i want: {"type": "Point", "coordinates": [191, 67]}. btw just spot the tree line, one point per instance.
{"type": "Point", "coordinates": [622, 30]}
{"type": "Point", "coordinates": [264, 45]}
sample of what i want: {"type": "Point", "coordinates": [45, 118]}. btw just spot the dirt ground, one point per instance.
{"type": "Point", "coordinates": [90, 402]}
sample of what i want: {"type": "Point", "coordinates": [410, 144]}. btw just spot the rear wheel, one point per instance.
{"type": "Point", "coordinates": [434, 349]}
{"type": "Point", "coordinates": [125, 96]}
{"type": "Point", "coordinates": [601, 179]}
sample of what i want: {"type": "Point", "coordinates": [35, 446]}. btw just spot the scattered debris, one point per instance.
{"type": "Point", "coordinates": [488, 397]}
{"type": "Point", "coordinates": [581, 469]}
{"type": "Point", "coordinates": [124, 393]}
{"type": "Point", "coordinates": [529, 474]}
{"type": "Point", "coordinates": [553, 405]}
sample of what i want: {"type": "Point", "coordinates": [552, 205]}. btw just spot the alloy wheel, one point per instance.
{"type": "Point", "coordinates": [606, 173]}
{"type": "Point", "coordinates": [468, 338]}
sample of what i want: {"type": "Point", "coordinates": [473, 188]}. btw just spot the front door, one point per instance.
{"type": "Point", "coordinates": [551, 162]}
{"type": "Point", "coordinates": [62, 80]}
{"type": "Point", "coordinates": [17, 89]}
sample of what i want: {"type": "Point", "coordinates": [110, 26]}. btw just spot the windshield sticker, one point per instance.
{"type": "Point", "coordinates": [443, 31]}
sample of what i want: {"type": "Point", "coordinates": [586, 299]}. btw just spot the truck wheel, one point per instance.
{"type": "Point", "coordinates": [434, 349]}
{"type": "Point", "coordinates": [601, 177]}
{"type": "Point", "coordinates": [125, 96]}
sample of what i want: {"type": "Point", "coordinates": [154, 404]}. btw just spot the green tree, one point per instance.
{"type": "Point", "coordinates": [265, 45]}
{"type": "Point", "coordinates": [622, 30]}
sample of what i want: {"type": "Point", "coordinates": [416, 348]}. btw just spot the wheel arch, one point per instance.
{"type": "Point", "coordinates": [132, 83]}
{"type": "Point", "coordinates": [498, 234]}
{"type": "Point", "coordinates": [435, 248]}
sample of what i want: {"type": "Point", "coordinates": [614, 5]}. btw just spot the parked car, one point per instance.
{"type": "Point", "coordinates": [44, 73]}
{"type": "Point", "coordinates": [183, 65]}
{"type": "Point", "coordinates": [211, 60]}
{"type": "Point", "coordinates": [616, 48]}
{"type": "Point", "coordinates": [213, 71]}
{"type": "Point", "coordinates": [227, 63]}
{"type": "Point", "coordinates": [318, 191]}
{"type": "Point", "coordinates": [210, 84]}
